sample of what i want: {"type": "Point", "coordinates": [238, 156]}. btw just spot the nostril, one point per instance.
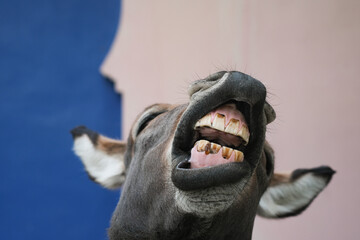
{"type": "Point", "coordinates": [216, 76]}
{"type": "Point", "coordinates": [195, 87]}
{"type": "Point", "coordinates": [269, 113]}
{"type": "Point", "coordinates": [206, 83]}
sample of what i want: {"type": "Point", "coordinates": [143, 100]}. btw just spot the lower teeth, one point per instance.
{"type": "Point", "coordinates": [213, 148]}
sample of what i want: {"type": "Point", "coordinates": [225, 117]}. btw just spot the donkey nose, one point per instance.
{"type": "Point", "coordinates": [229, 86]}
{"type": "Point", "coordinates": [203, 84]}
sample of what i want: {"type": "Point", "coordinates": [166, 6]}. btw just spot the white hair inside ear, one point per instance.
{"type": "Point", "coordinates": [103, 158]}
{"type": "Point", "coordinates": [294, 192]}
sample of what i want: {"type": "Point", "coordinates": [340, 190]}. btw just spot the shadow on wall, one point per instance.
{"type": "Point", "coordinates": [50, 82]}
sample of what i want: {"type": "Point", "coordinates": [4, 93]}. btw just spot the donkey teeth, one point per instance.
{"type": "Point", "coordinates": [219, 124]}
{"type": "Point", "coordinates": [239, 156]}
{"type": "Point", "coordinates": [226, 152]}
{"type": "Point", "coordinates": [233, 127]}
{"type": "Point", "coordinates": [213, 148]}
{"type": "Point", "coordinates": [204, 121]}
{"type": "Point", "coordinates": [203, 146]}
{"type": "Point", "coordinates": [207, 147]}
{"type": "Point", "coordinates": [244, 133]}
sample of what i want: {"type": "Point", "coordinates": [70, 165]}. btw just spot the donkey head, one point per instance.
{"type": "Point", "coordinates": [200, 170]}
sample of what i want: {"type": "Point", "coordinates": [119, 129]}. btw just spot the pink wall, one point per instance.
{"type": "Point", "coordinates": [306, 52]}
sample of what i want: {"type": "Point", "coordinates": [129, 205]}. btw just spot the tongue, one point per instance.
{"type": "Point", "coordinates": [201, 159]}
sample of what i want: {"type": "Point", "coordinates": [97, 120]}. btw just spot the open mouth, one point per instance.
{"type": "Point", "coordinates": [213, 149]}
{"type": "Point", "coordinates": [221, 137]}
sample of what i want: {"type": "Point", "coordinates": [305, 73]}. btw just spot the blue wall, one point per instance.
{"type": "Point", "coordinates": [50, 53]}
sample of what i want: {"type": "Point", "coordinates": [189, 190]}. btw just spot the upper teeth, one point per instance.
{"type": "Point", "coordinates": [234, 126]}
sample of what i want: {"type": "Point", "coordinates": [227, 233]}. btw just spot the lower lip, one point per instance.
{"type": "Point", "coordinates": [188, 179]}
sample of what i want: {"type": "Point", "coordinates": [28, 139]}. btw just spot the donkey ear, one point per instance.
{"type": "Point", "coordinates": [290, 194]}
{"type": "Point", "coordinates": [102, 157]}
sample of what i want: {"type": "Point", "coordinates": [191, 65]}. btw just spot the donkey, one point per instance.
{"type": "Point", "coordinates": [201, 170]}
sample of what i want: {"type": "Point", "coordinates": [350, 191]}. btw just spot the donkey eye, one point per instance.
{"type": "Point", "coordinates": [146, 120]}
{"type": "Point", "coordinates": [149, 114]}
